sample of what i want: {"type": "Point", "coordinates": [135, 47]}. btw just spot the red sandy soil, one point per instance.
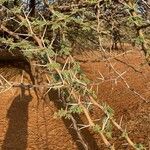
{"type": "Point", "coordinates": [28, 123]}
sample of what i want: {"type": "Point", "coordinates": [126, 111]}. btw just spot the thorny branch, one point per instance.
{"type": "Point", "coordinates": [65, 83]}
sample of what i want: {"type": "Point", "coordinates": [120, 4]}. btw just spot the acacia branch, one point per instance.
{"type": "Point", "coordinates": [34, 36]}
{"type": "Point", "coordinates": [68, 8]}
{"type": "Point", "coordinates": [15, 35]}
{"type": "Point", "coordinates": [143, 26]}
{"type": "Point", "coordinates": [91, 123]}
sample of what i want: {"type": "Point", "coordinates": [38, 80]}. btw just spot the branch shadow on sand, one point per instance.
{"type": "Point", "coordinates": [17, 114]}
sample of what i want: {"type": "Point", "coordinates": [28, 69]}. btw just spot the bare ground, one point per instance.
{"type": "Point", "coordinates": [28, 123]}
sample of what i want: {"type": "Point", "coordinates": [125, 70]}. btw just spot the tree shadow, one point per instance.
{"type": "Point", "coordinates": [17, 114]}
{"type": "Point", "coordinates": [87, 136]}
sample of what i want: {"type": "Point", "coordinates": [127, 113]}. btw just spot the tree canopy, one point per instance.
{"type": "Point", "coordinates": [46, 33]}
